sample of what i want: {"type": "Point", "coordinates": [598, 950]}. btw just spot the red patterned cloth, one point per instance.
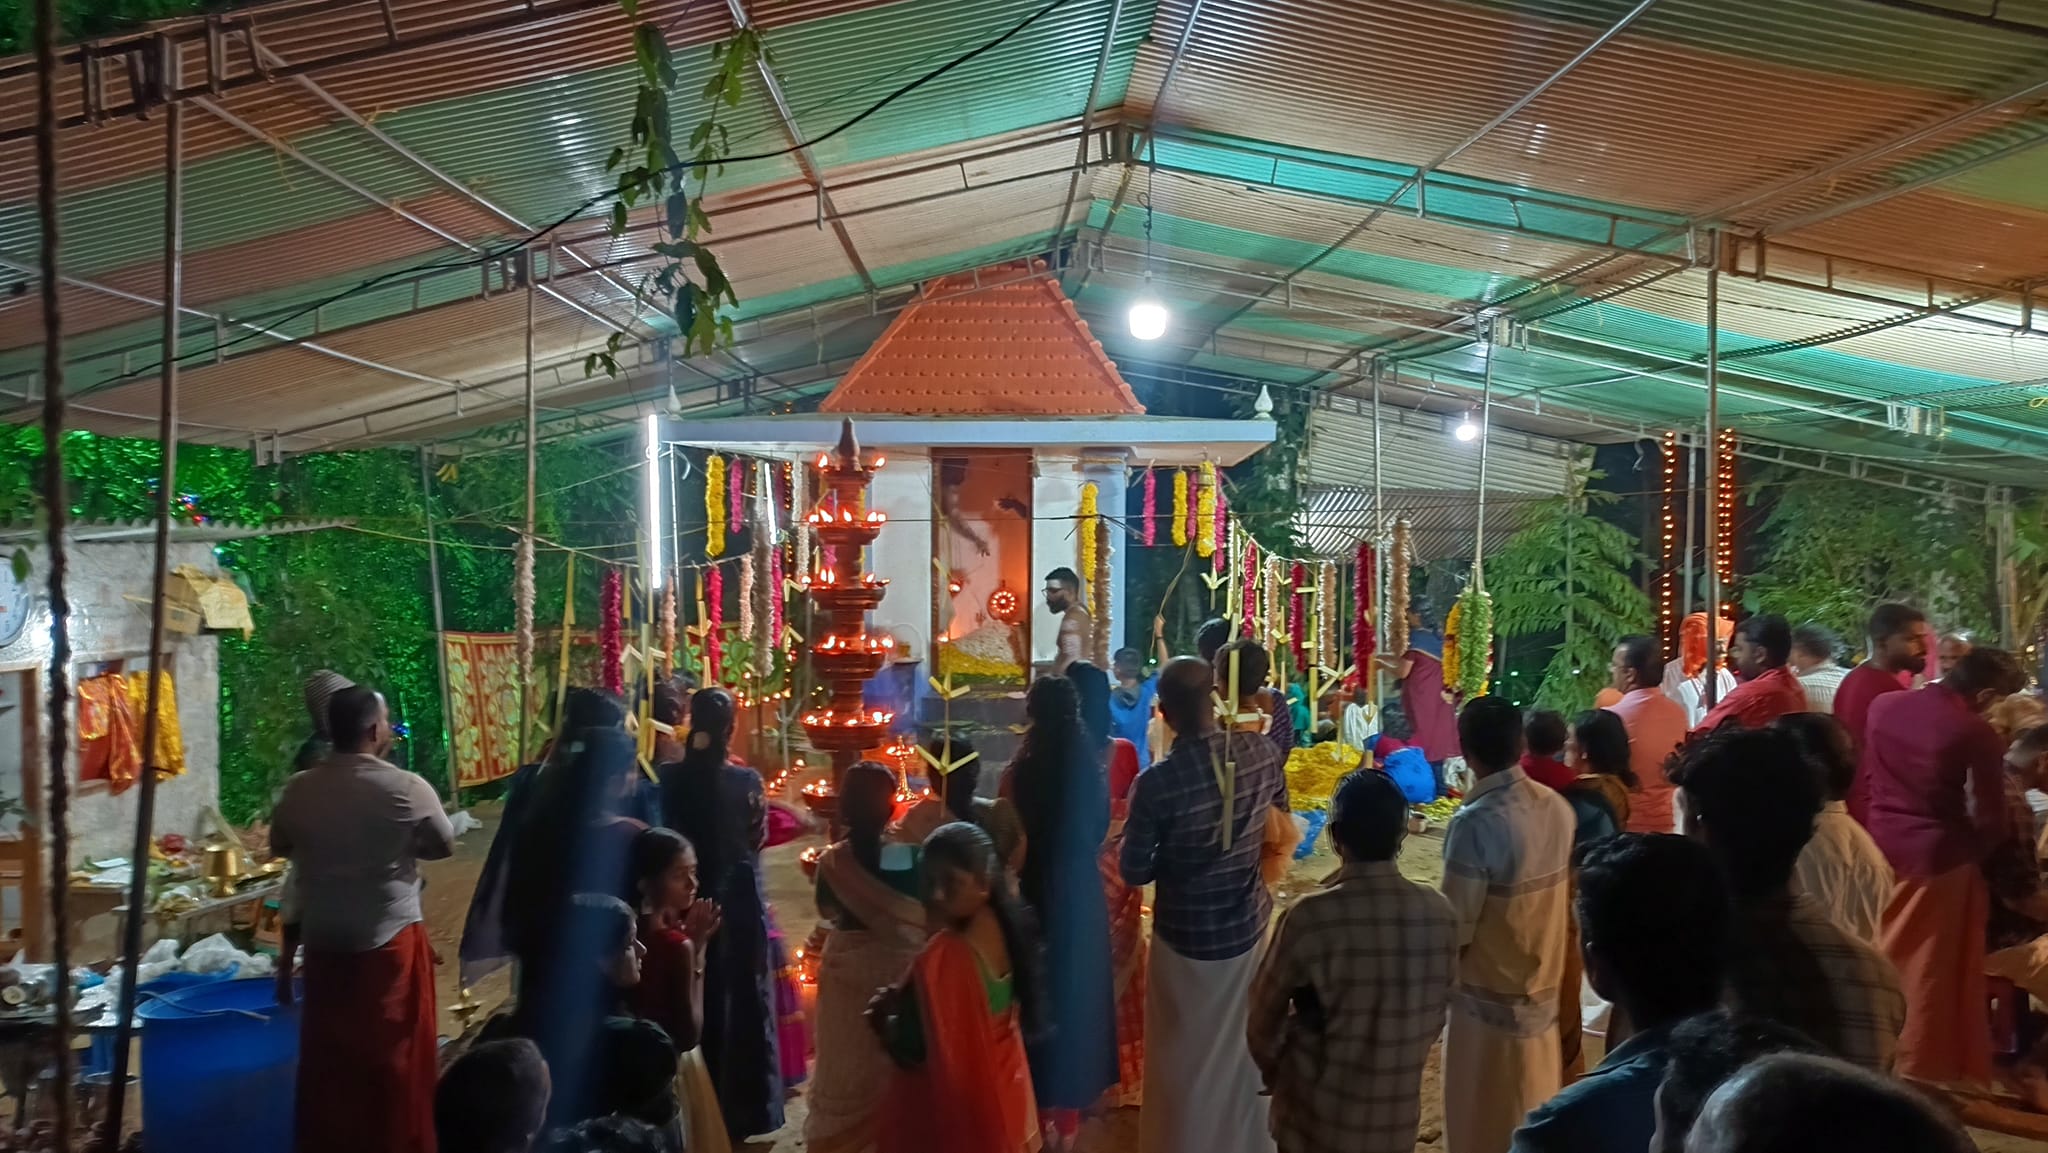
{"type": "Point", "coordinates": [367, 1052]}
{"type": "Point", "coordinates": [483, 706]}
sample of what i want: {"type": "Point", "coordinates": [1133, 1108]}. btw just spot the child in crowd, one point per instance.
{"type": "Point", "coordinates": [955, 1025]}
{"type": "Point", "coordinates": [674, 927]}
{"type": "Point", "coordinates": [493, 1099]}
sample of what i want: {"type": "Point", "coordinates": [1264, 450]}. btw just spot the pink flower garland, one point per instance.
{"type": "Point", "coordinates": [1250, 602]}
{"type": "Point", "coordinates": [1150, 519]}
{"type": "Point", "coordinates": [611, 649]}
{"type": "Point", "coordinates": [775, 608]}
{"type": "Point", "coordinates": [1363, 636]}
{"type": "Point", "coordinates": [736, 488]}
{"type": "Point", "coordinates": [714, 624]}
{"type": "Point", "coordinates": [1194, 505]}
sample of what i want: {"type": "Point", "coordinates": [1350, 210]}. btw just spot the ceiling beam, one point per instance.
{"type": "Point", "coordinates": [1059, 228]}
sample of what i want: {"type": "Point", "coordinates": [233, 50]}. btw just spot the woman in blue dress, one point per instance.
{"type": "Point", "coordinates": [1058, 785]}
{"type": "Point", "coordinates": [720, 807]}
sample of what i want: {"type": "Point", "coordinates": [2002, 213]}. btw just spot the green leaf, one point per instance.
{"type": "Point", "coordinates": [617, 157]}
{"type": "Point", "coordinates": [678, 213]}
{"type": "Point", "coordinates": [632, 7]}
{"type": "Point", "coordinates": [619, 218]}
{"type": "Point", "coordinates": [22, 566]}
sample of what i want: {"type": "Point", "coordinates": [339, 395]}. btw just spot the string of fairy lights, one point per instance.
{"type": "Point", "coordinates": [1723, 512]}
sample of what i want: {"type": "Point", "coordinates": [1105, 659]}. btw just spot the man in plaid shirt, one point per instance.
{"type": "Point", "coordinates": [1209, 914]}
{"type": "Point", "coordinates": [1352, 992]}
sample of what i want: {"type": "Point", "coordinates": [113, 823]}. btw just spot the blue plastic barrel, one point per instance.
{"type": "Point", "coordinates": [219, 1065]}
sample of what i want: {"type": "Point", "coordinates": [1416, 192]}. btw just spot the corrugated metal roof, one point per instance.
{"type": "Point", "coordinates": [1442, 523]}
{"type": "Point", "coordinates": [1421, 453]}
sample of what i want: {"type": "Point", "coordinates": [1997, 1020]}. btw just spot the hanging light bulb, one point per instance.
{"type": "Point", "coordinates": [1148, 316]}
{"type": "Point", "coordinates": [1467, 430]}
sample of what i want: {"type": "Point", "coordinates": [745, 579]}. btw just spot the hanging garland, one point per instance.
{"type": "Point", "coordinates": [800, 524]}
{"type": "Point", "coordinates": [736, 485]}
{"type": "Point", "coordinates": [1100, 579]}
{"type": "Point", "coordinates": [668, 627]}
{"type": "Point", "coordinates": [1191, 512]}
{"type": "Point", "coordinates": [1297, 615]}
{"type": "Point", "coordinates": [1248, 604]}
{"type": "Point", "coordinates": [1326, 614]}
{"type": "Point", "coordinates": [1276, 602]}
{"type": "Point", "coordinates": [1397, 594]}
{"type": "Point", "coordinates": [1475, 627]}
{"type": "Point", "coordinates": [1363, 636]}
{"type": "Point", "coordinates": [714, 505]}
{"type": "Point", "coordinates": [1452, 662]}
{"type": "Point", "coordinates": [522, 597]}
{"type": "Point", "coordinates": [747, 596]}
{"type": "Point", "coordinates": [1150, 528]}
{"type": "Point", "coordinates": [1180, 508]}
{"type": "Point", "coordinates": [1219, 522]}
{"type": "Point", "coordinates": [1090, 552]}
{"type": "Point", "coordinates": [611, 603]}
{"type": "Point", "coordinates": [1205, 512]}
{"type": "Point", "coordinates": [714, 626]}
{"type": "Point", "coordinates": [776, 609]}
{"type": "Point", "coordinates": [767, 590]}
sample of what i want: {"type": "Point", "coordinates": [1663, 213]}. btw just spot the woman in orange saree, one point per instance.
{"type": "Point", "coordinates": [955, 1026]}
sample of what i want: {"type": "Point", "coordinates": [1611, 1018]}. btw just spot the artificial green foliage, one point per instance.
{"type": "Point", "coordinates": [1567, 574]}
{"type": "Point", "coordinates": [81, 19]}
{"type": "Point", "coordinates": [1834, 548]}
{"type": "Point", "coordinates": [356, 600]}
{"type": "Point", "coordinates": [1265, 491]}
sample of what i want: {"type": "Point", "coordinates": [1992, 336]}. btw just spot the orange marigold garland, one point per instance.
{"type": "Point", "coordinates": [1180, 508]}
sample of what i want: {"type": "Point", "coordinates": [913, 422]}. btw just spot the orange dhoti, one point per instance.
{"type": "Point", "coordinates": [1934, 934]}
{"type": "Point", "coordinates": [368, 1057]}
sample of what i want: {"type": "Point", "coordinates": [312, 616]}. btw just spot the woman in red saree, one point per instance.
{"type": "Point", "coordinates": [955, 1026]}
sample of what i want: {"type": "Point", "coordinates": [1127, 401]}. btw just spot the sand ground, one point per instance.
{"type": "Point", "coordinates": [450, 882]}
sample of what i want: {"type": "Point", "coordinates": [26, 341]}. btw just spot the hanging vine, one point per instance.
{"type": "Point", "coordinates": [687, 281]}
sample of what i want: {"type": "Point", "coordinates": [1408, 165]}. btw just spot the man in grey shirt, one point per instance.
{"type": "Point", "coordinates": [355, 828]}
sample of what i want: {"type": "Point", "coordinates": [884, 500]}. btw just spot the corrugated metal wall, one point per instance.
{"type": "Point", "coordinates": [1422, 454]}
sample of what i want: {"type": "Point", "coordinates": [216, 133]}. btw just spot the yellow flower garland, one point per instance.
{"type": "Point", "coordinates": [714, 505]}
{"type": "Point", "coordinates": [1180, 508]}
{"type": "Point", "coordinates": [1450, 661]}
{"type": "Point", "coordinates": [1205, 512]}
{"type": "Point", "coordinates": [1090, 515]}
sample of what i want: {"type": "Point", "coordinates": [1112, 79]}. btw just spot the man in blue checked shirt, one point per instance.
{"type": "Point", "coordinates": [1209, 915]}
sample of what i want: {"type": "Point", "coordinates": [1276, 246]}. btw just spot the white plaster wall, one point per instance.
{"type": "Point", "coordinates": [1055, 509]}
{"type": "Point", "coordinates": [902, 553]}
{"type": "Point", "coordinates": [105, 625]}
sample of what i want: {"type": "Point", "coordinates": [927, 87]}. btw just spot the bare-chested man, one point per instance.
{"type": "Point", "coordinates": [1063, 597]}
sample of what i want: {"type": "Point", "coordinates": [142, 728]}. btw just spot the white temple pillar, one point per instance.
{"type": "Point", "coordinates": [902, 554]}
{"type": "Point", "coordinates": [1055, 511]}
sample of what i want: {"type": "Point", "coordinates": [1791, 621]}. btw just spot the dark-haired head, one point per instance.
{"type": "Point", "coordinates": [1762, 643]}
{"type": "Point", "coordinates": [1249, 673]}
{"type": "Point", "coordinates": [1128, 664]}
{"type": "Point", "coordinates": [1185, 686]}
{"type": "Point", "coordinates": [1062, 589]}
{"type": "Point", "coordinates": [670, 707]}
{"type": "Point", "coordinates": [1544, 733]}
{"type": "Point", "coordinates": [1490, 735]}
{"type": "Point", "coordinates": [867, 799]}
{"type": "Point", "coordinates": [493, 1099]}
{"type": "Point", "coordinates": [1091, 693]}
{"type": "Point", "coordinates": [711, 720]}
{"type": "Point", "coordinates": [1638, 664]}
{"type": "Point", "coordinates": [962, 878]}
{"type": "Point", "coordinates": [1058, 771]}
{"type": "Point", "coordinates": [1368, 817]}
{"type": "Point", "coordinates": [1211, 637]}
{"type": "Point", "coordinates": [1985, 676]}
{"type": "Point", "coordinates": [1600, 742]}
{"type": "Point", "coordinates": [1813, 645]}
{"type": "Point", "coordinates": [664, 870]}
{"type": "Point", "coordinates": [1802, 1103]}
{"type": "Point", "coordinates": [1752, 797]}
{"type": "Point", "coordinates": [1827, 746]}
{"type": "Point", "coordinates": [358, 722]}
{"type": "Point", "coordinates": [613, 1134]}
{"type": "Point", "coordinates": [1654, 915]}
{"type": "Point", "coordinates": [1898, 641]}
{"type": "Point", "coordinates": [1701, 1053]}
{"type": "Point", "coordinates": [584, 707]}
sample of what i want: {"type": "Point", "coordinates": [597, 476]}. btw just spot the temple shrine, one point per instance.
{"type": "Point", "coordinates": [1009, 435]}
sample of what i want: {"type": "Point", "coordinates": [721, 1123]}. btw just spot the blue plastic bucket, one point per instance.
{"type": "Point", "coordinates": [219, 1065]}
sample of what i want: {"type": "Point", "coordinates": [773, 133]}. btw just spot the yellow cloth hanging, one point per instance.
{"type": "Point", "coordinates": [170, 740]}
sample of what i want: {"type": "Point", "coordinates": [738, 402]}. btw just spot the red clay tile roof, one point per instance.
{"type": "Point", "coordinates": [1016, 349]}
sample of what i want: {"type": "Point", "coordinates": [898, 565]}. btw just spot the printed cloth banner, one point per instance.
{"type": "Point", "coordinates": [483, 706]}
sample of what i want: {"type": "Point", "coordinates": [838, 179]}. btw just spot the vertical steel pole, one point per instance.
{"type": "Point", "coordinates": [1485, 436]}
{"type": "Point", "coordinates": [167, 482]}
{"type": "Point", "coordinates": [2008, 587]}
{"type": "Point", "coordinates": [1712, 529]}
{"type": "Point", "coordinates": [56, 504]}
{"type": "Point", "coordinates": [526, 548]}
{"type": "Point", "coordinates": [440, 618]}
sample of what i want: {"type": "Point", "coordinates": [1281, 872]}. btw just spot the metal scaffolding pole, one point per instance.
{"type": "Point", "coordinates": [1485, 436]}
{"type": "Point", "coordinates": [167, 482]}
{"type": "Point", "coordinates": [1711, 530]}
{"type": "Point", "coordinates": [1692, 460]}
{"type": "Point", "coordinates": [1379, 545]}
{"type": "Point", "coordinates": [523, 581]}
{"type": "Point", "coordinates": [440, 617]}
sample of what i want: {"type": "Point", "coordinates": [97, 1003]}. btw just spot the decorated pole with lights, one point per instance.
{"type": "Point", "coordinates": [843, 594]}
